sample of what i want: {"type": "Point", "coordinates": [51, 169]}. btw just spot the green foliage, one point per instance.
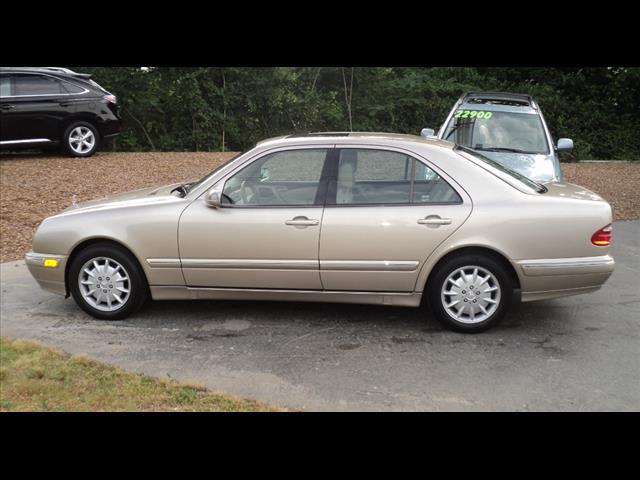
{"type": "Point", "coordinates": [212, 109]}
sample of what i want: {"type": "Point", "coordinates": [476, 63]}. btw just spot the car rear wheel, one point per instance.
{"type": "Point", "coordinates": [470, 293]}
{"type": "Point", "coordinates": [107, 283]}
{"type": "Point", "coordinates": [81, 139]}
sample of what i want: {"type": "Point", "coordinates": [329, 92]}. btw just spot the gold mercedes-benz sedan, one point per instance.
{"type": "Point", "coordinates": [335, 217]}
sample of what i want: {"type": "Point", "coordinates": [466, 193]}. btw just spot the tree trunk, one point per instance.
{"type": "Point", "coordinates": [348, 95]}
{"type": "Point", "coordinates": [224, 108]}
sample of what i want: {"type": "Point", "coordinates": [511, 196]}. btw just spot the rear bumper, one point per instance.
{"type": "Point", "coordinates": [49, 278]}
{"type": "Point", "coordinates": [110, 128]}
{"type": "Point", "coordinates": [550, 278]}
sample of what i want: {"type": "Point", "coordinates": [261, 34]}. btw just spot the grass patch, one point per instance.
{"type": "Point", "coordinates": [34, 377]}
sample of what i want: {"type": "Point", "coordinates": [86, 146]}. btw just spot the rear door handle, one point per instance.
{"type": "Point", "coordinates": [434, 220]}
{"type": "Point", "coordinates": [7, 107]}
{"type": "Point", "coordinates": [64, 104]}
{"type": "Point", "coordinates": [302, 222]}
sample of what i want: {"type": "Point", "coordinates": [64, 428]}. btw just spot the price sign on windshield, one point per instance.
{"type": "Point", "coordinates": [473, 114]}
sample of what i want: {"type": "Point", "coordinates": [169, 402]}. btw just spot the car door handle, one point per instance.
{"type": "Point", "coordinates": [64, 104]}
{"type": "Point", "coordinates": [7, 107]}
{"type": "Point", "coordinates": [302, 222]}
{"type": "Point", "coordinates": [434, 220]}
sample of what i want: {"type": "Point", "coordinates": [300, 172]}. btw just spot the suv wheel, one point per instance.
{"type": "Point", "coordinates": [107, 283]}
{"type": "Point", "coordinates": [470, 293]}
{"type": "Point", "coordinates": [80, 139]}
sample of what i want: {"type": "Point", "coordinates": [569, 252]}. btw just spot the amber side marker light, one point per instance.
{"type": "Point", "coordinates": [602, 238]}
{"type": "Point", "coordinates": [50, 262]}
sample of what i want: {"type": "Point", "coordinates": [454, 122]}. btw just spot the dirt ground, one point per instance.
{"type": "Point", "coordinates": [34, 186]}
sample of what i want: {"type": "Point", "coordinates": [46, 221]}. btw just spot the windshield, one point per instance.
{"type": "Point", "coordinates": [497, 131]}
{"type": "Point", "coordinates": [521, 178]}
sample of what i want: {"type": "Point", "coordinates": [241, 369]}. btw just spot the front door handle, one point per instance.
{"type": "Point", "coordinates": [302, 222]}
{"type": "Point", "coordinates": [7, 107]}
{"type": "Point", "coordinates": [434, 220]}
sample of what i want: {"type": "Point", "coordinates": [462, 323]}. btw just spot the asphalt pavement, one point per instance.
{"type": "Point", "coordinates": [579, 353]}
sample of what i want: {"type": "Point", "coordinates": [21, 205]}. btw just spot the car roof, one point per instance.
{"type": "Point", "coordinates": [373, 138]}
{"type": "Point", "coordinates": [58, 71]}
{"type": "Point", "coordinates": [499, 98]}
{"type": "Point", "coordinates": [498, 102]}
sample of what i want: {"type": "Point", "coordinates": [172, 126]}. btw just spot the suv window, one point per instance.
{"type": "Point", "coordinates": [383, 177]}
{"type": "Point", "coordinates": [497, 131]}
{"type": "Point", "coordinates": [290, 177]}
{"type": "Point", "coordinates": [37, 85]}
{"type": "Point", "coordinates": [5, 86]}
{"type": "Point", "coordinates": [72, 88]}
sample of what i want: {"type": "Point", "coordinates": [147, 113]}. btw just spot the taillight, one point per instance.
{"type": "Point", "coordinates": [602, 237]}
{"type": "Point", "coordinates": [110, 98]}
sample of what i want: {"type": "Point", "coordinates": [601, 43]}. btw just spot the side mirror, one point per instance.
{"type": "Point", "coordinates": [213, 198]}
{"type": "Point", "coordinates": [564, 145]}
{"type": "Point", "coordinates": [427, 132]}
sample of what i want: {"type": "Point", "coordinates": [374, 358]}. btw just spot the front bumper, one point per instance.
{"type": "Point", "coordinates": [49, 278]}
{"type": "Point", "coordinates": [550, 278]}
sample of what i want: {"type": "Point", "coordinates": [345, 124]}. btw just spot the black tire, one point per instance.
{"type": "Point", "coordinates": [453, 264]}
{"type": "Point", "coordinates": [66, 139]}
{"type": "Point", "coordinates": [137, 285]}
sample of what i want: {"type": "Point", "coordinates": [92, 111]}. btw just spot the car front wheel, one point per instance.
{"type": "Point", "coordinates": [81, 139]}
{"type": "Point", "coordinates": [470, 293]}
{"type": "Point", "coordinates": [107, 283]}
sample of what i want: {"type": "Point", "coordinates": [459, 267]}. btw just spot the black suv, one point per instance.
{"type": "Point", "coordinates": [55, 107]}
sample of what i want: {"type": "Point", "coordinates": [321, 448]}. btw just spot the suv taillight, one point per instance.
{"type": "Point", "coordinates": [602, 238]}
{"type": "Point", "coordinates": [110, 98]}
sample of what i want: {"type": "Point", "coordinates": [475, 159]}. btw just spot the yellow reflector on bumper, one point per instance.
{"type": "Point", "coordinates": [50, 262]}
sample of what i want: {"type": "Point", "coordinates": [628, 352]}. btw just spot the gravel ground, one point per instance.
{"type": "Point", "coordinates": [34, 186]}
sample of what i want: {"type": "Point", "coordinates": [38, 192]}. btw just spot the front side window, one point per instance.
{"type": "Point", "coordinates": [386, 178]}
{"type": "Point", "coordinates": [290, 177]}
{"type": "Point", "coordinates": [495, 131]}
{"type": "Point", "coordinates": [37, 85]}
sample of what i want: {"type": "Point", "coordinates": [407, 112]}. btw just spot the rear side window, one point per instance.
{"type": "Point", "coordinates": [5, 86]}
{"type": "Point", "coordinates": [373, 176]}
{"type": "Point", "coordinates": [381, 177]}
{"type": "Point", "coordinates": [71, 88]}
{"type": "Point", "coordinates": [37, 85]}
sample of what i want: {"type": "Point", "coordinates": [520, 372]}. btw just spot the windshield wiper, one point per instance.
{"type": "Point", "coordinates": [502, 149]}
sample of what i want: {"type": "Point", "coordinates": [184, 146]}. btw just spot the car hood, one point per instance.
{"type": "Point", "coordinates": [140, 197]}
{"type": "Point", "coordinates": [537, 167]}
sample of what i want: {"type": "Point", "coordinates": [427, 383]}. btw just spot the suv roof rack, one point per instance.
{"type": "Point", "coordinates": [517, 98]}
{"type": "Point", "coordinates": [62, 70]}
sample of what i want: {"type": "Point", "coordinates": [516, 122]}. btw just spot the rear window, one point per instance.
{"type": "Point", "coordinates": [517, 176]}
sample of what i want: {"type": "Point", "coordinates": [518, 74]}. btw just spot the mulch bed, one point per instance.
{"type": "Point", "coordinates": [34, 186]}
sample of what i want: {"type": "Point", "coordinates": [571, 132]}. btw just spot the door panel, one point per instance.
{"type": "Point", "coordinates": [381, 248]}
{"type": "Point", "coordinates": [386, 212]}
{"type": "Point", "coordinates": [38, 117]}
{"type": "Point", "coordinates": [267, 230]}
{"type": "Point", "coordinates": [250, 247]}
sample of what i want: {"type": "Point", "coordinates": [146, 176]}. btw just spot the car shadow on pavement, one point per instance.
{"type": "Point", "coordinates": [180, 314]}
